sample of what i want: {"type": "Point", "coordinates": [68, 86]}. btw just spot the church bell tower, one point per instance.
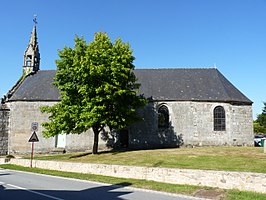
{"type": "Point", "coordinates": [32, 54]}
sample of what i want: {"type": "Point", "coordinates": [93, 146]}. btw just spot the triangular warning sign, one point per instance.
{"type": "Point", "coordinates": [33, 137]}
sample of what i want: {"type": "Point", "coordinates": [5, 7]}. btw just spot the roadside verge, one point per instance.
{"type": "Point", "coordinates": [244, 181]}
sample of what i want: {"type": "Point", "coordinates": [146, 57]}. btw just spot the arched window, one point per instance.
{"type": "Point", "coordinates": [163, 117]}
{"type": "Point", "coordinates": [219, 118]}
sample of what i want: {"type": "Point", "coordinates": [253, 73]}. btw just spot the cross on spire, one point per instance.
{"type": "Point", "coordinates": [35, 20]}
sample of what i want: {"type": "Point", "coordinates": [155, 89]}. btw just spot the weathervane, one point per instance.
{"type": "Point", "coordinates": [35, 20]}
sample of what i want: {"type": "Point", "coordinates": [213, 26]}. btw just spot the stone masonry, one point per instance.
{"type": "Point", "coordinates": [4, 124]}
{"type": "Point", "coordinates": [245, 181]}
{"type": "Point", "coordinates": [23, 114]}
{"type": "Point", "coordinates": [191, 123]}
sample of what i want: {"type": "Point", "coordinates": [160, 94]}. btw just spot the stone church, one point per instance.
{"type": "Point", "coordinates": [187, 106]}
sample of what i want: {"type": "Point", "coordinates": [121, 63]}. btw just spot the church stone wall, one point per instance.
{"type": "Point", "coordinates": [22, 114]}
{"type": "Point", "coordinates": [4, 124]}
{"type": "Point", "coordinates": [191, 124]}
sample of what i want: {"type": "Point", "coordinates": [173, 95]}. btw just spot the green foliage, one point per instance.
{"type": "Point", "coordinates": [258, 128]}
{"type": "Point", "coordinates": [244, 195]}
{"type": "Point", "coordinates": [97, 85]}
{"type": "Point", "coordinates": [261, 118]}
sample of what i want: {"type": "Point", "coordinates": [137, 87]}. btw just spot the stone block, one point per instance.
{"type": "Point", "coordinates": [228, 180]}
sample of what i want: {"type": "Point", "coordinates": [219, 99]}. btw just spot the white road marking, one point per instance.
{"type": "Point", "coordinates": [34, 192]}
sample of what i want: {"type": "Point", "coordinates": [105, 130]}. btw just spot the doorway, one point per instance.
{"type": "Point", "coordinates": [123, 137]}
{"type": "Point", "coordinates": [60, 141]}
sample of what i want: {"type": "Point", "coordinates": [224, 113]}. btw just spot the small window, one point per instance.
{"type": "Point", "coordinates": [28, 61]}
{"type": "Point", "coordinates": [163, 117]}
{"type": "Point", "coordinates": [36, 63]}
{"type": "Point", "coordinates": [219, 118]}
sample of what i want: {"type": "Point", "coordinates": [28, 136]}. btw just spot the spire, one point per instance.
{"type": "Point", "coordinates": [33, 38]}
{"type": "Point", "coordinates": [32, 54]}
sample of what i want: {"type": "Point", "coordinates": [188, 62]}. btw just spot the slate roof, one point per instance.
{"type": "Point", "coordinates": [193, 84]}
{"type": "Point", "coordinates": [182, 84]}
{"type": "Point", "coordinates": [37, 87]}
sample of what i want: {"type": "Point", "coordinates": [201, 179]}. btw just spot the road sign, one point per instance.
{"type": "Point", "coordinates": [34, 137]}
{"type": "Point", "coordinates": [34, 126]}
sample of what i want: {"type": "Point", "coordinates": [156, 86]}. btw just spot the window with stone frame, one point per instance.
{"type": "Point", "coordinates": [163, 117]}
{"type": "Point", "coordinates": [219, 118]}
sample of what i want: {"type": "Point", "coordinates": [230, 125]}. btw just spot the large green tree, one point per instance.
{"type": "Point", "coordinates": [261, 119]}
{"type": "Point", "coordinates": [97, 87]}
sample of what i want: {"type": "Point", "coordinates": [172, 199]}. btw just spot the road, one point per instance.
{"type": "Point", "coordinates": [30, 186]}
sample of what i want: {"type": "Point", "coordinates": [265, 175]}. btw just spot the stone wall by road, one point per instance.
{"type": "Point", "coordinates": [222, 179]}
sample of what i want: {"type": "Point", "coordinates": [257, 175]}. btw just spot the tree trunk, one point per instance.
{"type": "Point", "coordinates": [96, 140]}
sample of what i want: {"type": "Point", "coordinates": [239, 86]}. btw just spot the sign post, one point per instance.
{"type": "Point", "coordinates": [33, 139]}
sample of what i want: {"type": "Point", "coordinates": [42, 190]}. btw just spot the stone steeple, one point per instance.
{"type": "Point", "coordinates": [32, 54]}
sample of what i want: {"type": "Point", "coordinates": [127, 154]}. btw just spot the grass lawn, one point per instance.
{"type": "Point", "coordinates": [245, 159]}
{"type": "Point", "coordinates": [248, 159]}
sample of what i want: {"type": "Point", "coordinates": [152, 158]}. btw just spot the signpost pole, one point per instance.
{"type": "Point", "coordinates": [32, 148]}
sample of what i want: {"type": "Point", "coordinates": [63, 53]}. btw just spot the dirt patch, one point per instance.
{"type": "Point", "coordinates": [215, 194]}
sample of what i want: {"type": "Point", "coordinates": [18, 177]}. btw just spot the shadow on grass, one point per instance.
{"type": "Point", "coordinates": [117, 151]}
{"type": "Point", "coordinates": [158, 164]}
{"type": "Point", "coordinates": [80, 155]}
{"type": "Point", "coordinates": [112, 152]}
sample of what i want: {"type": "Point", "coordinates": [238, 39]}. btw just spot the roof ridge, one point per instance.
{"type": "Point", "coordinates": [203, 68]}
{"type": "Point", "coordinates": [10, 93]}
{"type": "Point", "coordinates": [47, 70]}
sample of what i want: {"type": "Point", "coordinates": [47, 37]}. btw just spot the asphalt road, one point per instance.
{"type": "Point", "coordinates": [30, 186]}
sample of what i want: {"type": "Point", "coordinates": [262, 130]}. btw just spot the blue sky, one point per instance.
{"type": "Point", "coordinates": [228, 34]}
